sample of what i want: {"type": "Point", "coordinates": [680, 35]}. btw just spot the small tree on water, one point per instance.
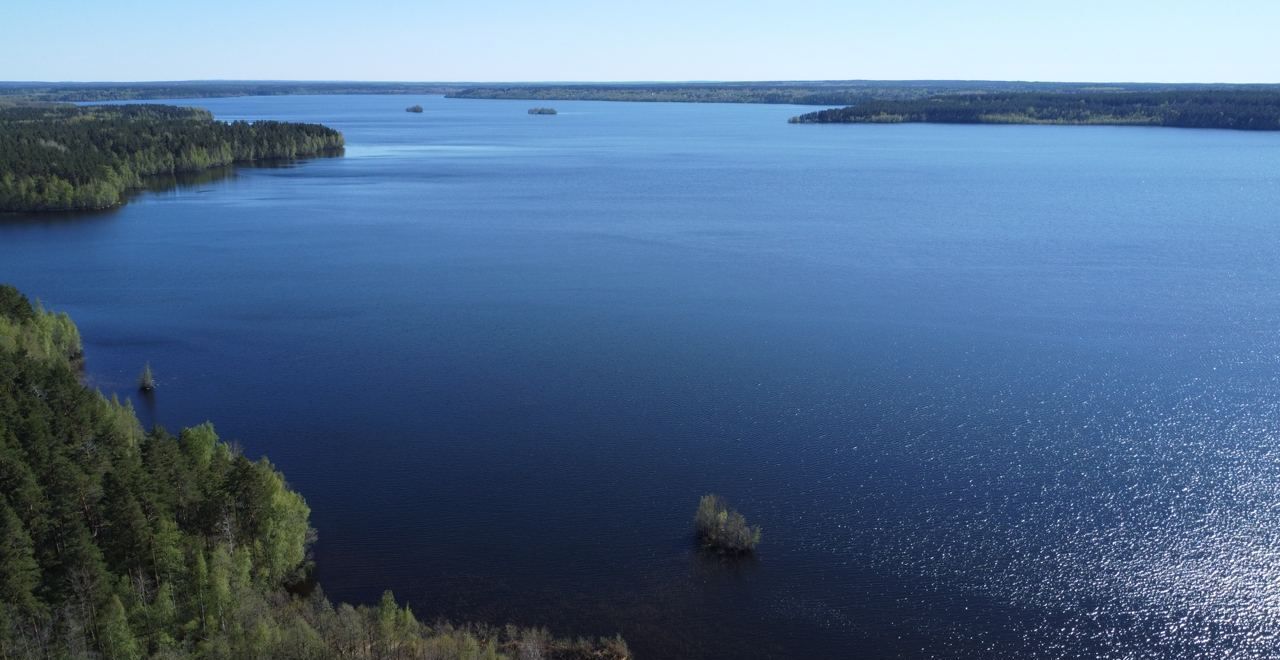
{"type": "Point", "coordinates": [724, 530]}
{"type": "Point", "coordinates": [147, 381]}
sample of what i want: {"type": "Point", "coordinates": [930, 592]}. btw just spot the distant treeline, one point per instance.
{"type": "Point", "coordinates": [669, 94]}
{"type": "Point", "coordinates": [805, 92]}
{"type": "Point", "coordinates": [124, 544]}
{"type": "Point", "coordinates": [63, 157]}
{"type": "Point", "coordinates": [801, 93]}
{"type": "Point", "coordinates": [1253, 110]}
{"type": "Point", "coordinates": [93, 92]}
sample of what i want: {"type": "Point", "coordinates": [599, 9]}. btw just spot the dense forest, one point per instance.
{"type": "Point", "coordinates": [64, 157]}
{"type": "Point", "coordinates": [189, 89]}
{"type": "Point", "coordinates": [1255, 110]}
{"type": "Point", "coordinates": [125, 544]}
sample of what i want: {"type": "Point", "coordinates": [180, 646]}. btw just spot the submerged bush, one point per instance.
{"type": "Point", "coordinates": [722, 529]}
{"type": "Point", "coordinates": [147, 381]}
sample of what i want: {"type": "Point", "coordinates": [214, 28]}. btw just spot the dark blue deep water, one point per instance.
{"type": "Point", "coordinates": [990, 391]}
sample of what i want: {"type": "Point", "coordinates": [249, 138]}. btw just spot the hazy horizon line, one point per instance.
{"type": "Point", "coordinates": [698, 81]}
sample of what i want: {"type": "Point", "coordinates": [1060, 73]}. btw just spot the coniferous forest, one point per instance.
{"type": "Point", "coordinates": [121, 543]}
{"type": "Point", "coordinates": [63, 157]}
{"type": "Point", "coordinates": [1231, 109]}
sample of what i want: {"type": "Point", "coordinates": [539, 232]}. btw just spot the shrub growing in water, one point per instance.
{"type": "Point", "coordinates": [147, 381]}
{"type": "Point", "coordinates": [722, 529]}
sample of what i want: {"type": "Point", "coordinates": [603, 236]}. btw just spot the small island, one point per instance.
{"type": "Point", "coordinates": [542, 111]}
{"type": "Point", "coordinates": [1246, 110]}
{"type": "Point", "coordinates": [723, 530]}
{"type": "Point", "coordinates": [413, 108]}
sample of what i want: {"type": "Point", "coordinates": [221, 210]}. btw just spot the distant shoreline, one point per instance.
{"type": "Point", "coordinates": [820, 92]}
{"type": "Point", "coordinates": [1244, 110]}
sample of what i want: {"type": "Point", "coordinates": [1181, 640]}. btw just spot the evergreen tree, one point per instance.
{"type": "Point", "coordinates": [19, 578]}
{"type": "Point", "coordinates": [117, 640]}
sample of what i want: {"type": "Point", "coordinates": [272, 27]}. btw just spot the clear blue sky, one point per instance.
{"type": "Point", "coordinates": [1074, 40]}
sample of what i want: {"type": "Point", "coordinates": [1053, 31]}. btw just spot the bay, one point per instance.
{"type": "Point", "coordinates": [989, 390]}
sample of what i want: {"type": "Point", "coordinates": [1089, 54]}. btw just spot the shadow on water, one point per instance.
{"type": "Point", "coordinates": [711, 565]}
{"type": "Point", "coordinates": [183, 181]}
{"type": "Point", "coordinates": [55, 218]}
{"type": "Point", "coordinates": [147, 407]}
{"type": "Point", "coordinates": [177, 182]}
{"type": "Point", "coordinates": [192, 181]}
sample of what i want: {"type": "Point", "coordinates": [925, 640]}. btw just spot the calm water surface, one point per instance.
{"type": "Point", "coordinates": [1002, 391]}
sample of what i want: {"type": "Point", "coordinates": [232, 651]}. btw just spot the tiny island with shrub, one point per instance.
{"type": "Point", "coordinates": [414, 108]}
{"type": "Point", "coordinates": [723, 530]}
{"type": "Point", "coordinates": [542, 111]}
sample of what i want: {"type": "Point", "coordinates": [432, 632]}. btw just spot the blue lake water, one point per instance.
{"type": "Point", "coordinates": [990, 391]}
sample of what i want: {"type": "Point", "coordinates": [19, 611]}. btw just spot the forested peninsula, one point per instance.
{"type": "Point", "coordinates": [1255, 110]}
{"type": "Point", "coordinates": [121, 543]}
{"type": "Point", "coordinates": [64, 157]}
{"type": "Point", "coordinates": [92, 92]}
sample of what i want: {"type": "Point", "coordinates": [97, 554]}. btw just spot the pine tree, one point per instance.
{"type": "Point", "coordinates": [387, 615]}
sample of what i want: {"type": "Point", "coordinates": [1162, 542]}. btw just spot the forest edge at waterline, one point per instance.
{"type": "Point", "coordinates": [130, 544]}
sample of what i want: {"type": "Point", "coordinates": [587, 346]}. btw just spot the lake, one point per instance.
{"type": "Point", "coordinates": [989, 390]}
